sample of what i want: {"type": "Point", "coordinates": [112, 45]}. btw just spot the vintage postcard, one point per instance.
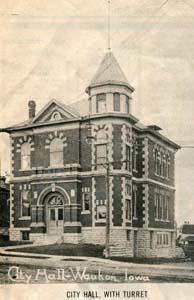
{"type": "Point", "coordinates": [97, 149]}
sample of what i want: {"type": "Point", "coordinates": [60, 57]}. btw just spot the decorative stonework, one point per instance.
{"type": "Point", "coordinates": [109, 128]}
{"type": "Point", "coordinates": [93, 201]}
{"type": "Point", "coordinates": [11, 205]}
{"type": "Point", "coordinates": [111, 199]}
{"type": "Point", "coordinates": [22, 140]}
{"type": "Point", "coordinates": [124, 131]}
{"type": "Point", "coordinates": [145, 205]}
{"type": "Point", "coordinates": [145, 157]}
{"type": "Point", "coordinates": [126, 140]}
{"type": "Point", "coordinates": [123, 183]}
{"type": "Point", "coordinates": [56, 134]}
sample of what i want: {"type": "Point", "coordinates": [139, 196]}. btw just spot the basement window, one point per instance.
{"type": "Point", "coordinates": [25, 235]}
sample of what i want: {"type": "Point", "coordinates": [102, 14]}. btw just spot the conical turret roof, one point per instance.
{"type": "Point", "coordinates": [109, 72]}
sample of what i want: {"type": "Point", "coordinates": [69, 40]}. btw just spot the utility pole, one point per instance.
{"type": "Point", "coordinates": [107, 176]}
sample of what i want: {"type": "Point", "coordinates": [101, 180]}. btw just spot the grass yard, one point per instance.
{"type": "Point", "coordinates": [146, 260]}
{"type": "Point", "coordinates": [65, 250]}
{"type": "Point", "coordinates": [4, 243]}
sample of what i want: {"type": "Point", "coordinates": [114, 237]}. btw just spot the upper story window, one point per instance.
{"type": "Point", "coordinates": [101, 148]}
{"type": "Point", "coordinates": [161, 163]}
{"type": "Point", "coordinates": [25, 156]}
{"type": "Point", "coordinates": [116, 102]}
{"type": "Point", "coordinates": [56, 152]}
{"type": "Point", "coordinates": [167, 166]}
{"type": "Point", "coordinates": [128, 158]}
{"type": "Point", "coordinates": [127, 105]}
{"type": "Point", "coordinates": [134, 156]}
{"type": "Point", "coordinates": [101, 103]}
{"type": "Point", "coordinates": [128, 188]}
{"type": "Point", "coordinates": [100, 155]}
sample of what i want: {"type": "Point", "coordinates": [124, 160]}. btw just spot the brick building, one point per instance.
{"type": "Point", "coordinates": [4, 207]}
{"type": "Point", "coordinates": [59, 173]}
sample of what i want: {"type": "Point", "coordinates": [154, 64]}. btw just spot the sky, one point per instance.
{"type": "Point", "coordinates": [51, 49]}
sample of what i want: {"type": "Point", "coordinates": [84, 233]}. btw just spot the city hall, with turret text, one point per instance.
{"type": "Point", "coordinates": [72, 173]}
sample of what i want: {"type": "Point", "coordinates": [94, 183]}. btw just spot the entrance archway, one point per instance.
{"type": "Point", "coordinates": [55, 213]}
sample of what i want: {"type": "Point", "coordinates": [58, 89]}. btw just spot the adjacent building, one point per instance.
{"type": "Point", "coordinates": [4, 207]}
{"type": "Point", "coordinates": [60, 185]}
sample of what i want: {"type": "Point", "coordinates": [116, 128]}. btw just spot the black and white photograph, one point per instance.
{"type": "Point", "coordinates": [97, 149]}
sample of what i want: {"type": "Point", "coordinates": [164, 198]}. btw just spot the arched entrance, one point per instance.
{"type": "Point", "coordinates": [55, 213]}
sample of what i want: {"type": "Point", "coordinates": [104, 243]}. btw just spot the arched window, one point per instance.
{"type": "Point", "coordinates": [167, 166]}
{"type": "Point", "coordinates": [155, 160]}
{"type": "Point", "coordinates": [159, 163]}
{"type": "Point", "coordinates": [56, 152]}
{"type": "Point", "coordinates": [25, 156]}
{"type": "Point", "coordinates": [101, 136]}
{"type": "Point", "coordinates": [164, 165]}
{"type": "Point", "coordinates": [116, 101]}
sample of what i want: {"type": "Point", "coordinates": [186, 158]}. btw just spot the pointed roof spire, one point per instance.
{"type": "Point", "coordinates": [109, 72]}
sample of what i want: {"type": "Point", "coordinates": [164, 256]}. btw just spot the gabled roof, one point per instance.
{"type": "Point", "coordinates": [109, 72]}
{"type": "Point", "coordinates": [45, 116]}
{"type": "Point", "coordinates": [54, 105]}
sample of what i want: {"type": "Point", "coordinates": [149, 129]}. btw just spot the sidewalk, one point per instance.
{"type": "Point", "coordinates": [55, 261]}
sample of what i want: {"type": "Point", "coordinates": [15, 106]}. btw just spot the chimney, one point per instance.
{"type": "Point", "coordinates": [31, 109]}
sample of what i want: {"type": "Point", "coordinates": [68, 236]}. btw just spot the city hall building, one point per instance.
{"type": "Point", "coordinates": [67, 166]}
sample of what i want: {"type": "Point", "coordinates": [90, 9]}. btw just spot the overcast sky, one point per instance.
{"type": "Point", "coordinates": [51, 49]}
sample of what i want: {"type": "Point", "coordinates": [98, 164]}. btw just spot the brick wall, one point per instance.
{"type": "Point", "coordinates": [160, 224]}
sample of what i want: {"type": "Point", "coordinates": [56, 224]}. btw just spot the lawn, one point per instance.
{"type": "Point", "coordinates": [65, 250]}
{"type": "Point", "coordinates": [4, 243]}
{"type": "Point", "coordinates": [147, 260]}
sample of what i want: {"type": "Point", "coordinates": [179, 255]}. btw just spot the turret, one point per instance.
{"type": "Point", "coordinates": [109, 90]}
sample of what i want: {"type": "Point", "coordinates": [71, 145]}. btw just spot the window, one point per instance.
{"type": "Point", "coordinates": [56, 152]}
{"type": "Point", "coordinates": [127, 105]}
{"type": "Point", "coordinates": [156, 204]}
{"type": "Point", "coordinates": [151, 239]}
{"type": "Point", "coordinates": [134, 156]}
{"type": "Point", "coordinates": [134, 198]}
{"type": "Point", "coordinates": [101, 212]}
{"type": "Point", "coordinates": [161, 163]}
{"type": "Point", "coordinates": [128, 188]}
{"type": "Point", "coordinates": [100, 156]}
{"type": "Point", "coordinates": [162, 239]}
{"type": "Point", "coordinates": [128, 209]}
{"type": "Point", "coordinates": [56, 116]}
{"type": "Point", "coordinates": [25, 235]}
{"type": "Point", "coordinates": [86, 199]}
{"type": "Point", "coordinates": [161, 203]}
{"type": "Point", "coordinates": [155, 160]}
{"type": "Point", "coordinates": [167, 166]}
{"type": "Point", "coordinates": [116, 98]}
{"type": "Point", "coordinates": [25, 156]}
{"type": "Point", "coordinates": [25, 203]}
{"type": "Point", "coordinates": [167, 207]}
{"type": "Point", "coordinates": [128, 158]}
{"type": "Point", "coordinates": [101, 103]}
